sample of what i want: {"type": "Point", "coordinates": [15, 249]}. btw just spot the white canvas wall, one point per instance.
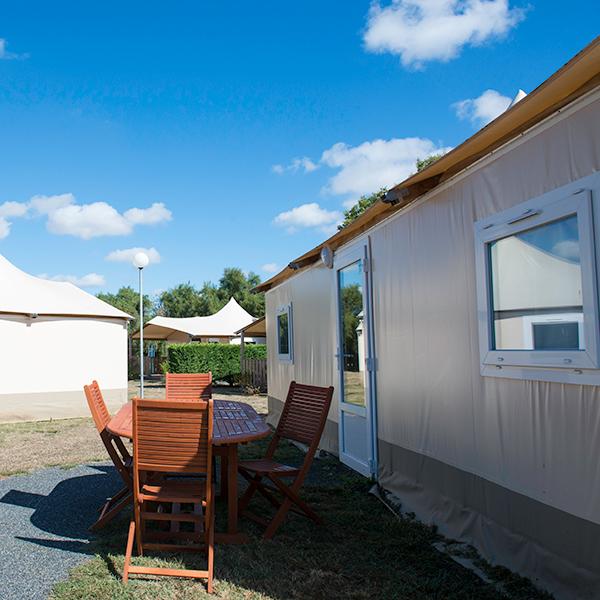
{"type": "Point", "coordinates": [537, 440]}
{"type": "Point", "coordinates": [314, 338]}
{"type": "Point", "coordinates": [534, 438]}
{"type": "Point", "coordinates": [46, 362]}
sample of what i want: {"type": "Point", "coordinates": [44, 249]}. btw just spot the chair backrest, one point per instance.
{"type": "Point", "coordinates": [189, 386]}
{"type": "Point", "coordinates": [113, 444]}
{"type": "Point", "coordinates": [304, 413]}
{"type": "Point", "coordinates": [97, 405]}
{"type": "Point", "coordinates": [171, 436]}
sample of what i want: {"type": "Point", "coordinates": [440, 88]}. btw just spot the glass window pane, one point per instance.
{"type": "Point", "coordinates": [556, 336]}
{"type": "Point", "coordinates": [353, 333]}
{"type": "Point", "coordinates": [283, 335]}
{"type": "Point", "coordinates": [536, 288]}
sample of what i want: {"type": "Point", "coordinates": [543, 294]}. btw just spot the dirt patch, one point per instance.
{"type": "Point", "coordinates": [25, 447]}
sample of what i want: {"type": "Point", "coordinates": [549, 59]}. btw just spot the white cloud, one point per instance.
{"type": "Point", "coordinates": [568, 249]}
{"type": "Point", "coordinates": [13, 209]}
{"type": "Point", "coordinates": [368, 167]}
{"type": "Point", "coordinates": [6, 55]}
{"type": "Point", "coordinates": [87, 221]}
{"type": "Point", "coordinates": [483, 109]}
{"type": "Point", "coordinates": [270, 268]}
{"type": "Point", "coordinates": [89, 280]}
{"type": "Point", "coordinates": [127, 254]}
{"type": "Point", "coordinates": [4, 228]}
{"type": "Point", "coordinates": [66, 217]}
{"type": "Point", "coordinates": [157, 213]}
{"type": "Point", "coordinates": [305, 164]}
{"type": "Point", "coordinates": [309, 216]}
{"type": "Point", "coordinates": [44, 205]}
{"type": "Point", "coordinates": [425, 30]}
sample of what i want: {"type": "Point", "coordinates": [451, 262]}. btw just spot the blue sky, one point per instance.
{"type": "Point", "coordinates": [239, 130]}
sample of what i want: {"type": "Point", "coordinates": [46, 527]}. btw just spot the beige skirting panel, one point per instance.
{"type": "Point", "coordinates": [54, 405]}
{"type": "Point", "coordinates": [556, 550]}
{"type": "Point", "coordinates": [329, 439]}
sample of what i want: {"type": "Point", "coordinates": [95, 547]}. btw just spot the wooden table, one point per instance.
{"type": "Point", "coordinates": [234, 423]}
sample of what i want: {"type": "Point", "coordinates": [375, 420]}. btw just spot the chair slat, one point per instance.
{"type": "Point", "coordinates": [172, 437]}
{"type": "Point", "coordinates": [189, 386]}
{"type": "Point", "coordinates": [116, 450]}
{"type": "Point", "coordinates": [303, 420]}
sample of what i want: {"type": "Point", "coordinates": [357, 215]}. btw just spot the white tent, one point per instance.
{"type": "Point", "coordinates": [56, 338]}
{"type": "Point", "coordinates": [221, 327]}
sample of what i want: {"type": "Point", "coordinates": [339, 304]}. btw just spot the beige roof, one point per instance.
{"type": "Point", "coordinates": [224, 323]}
{"type": "Point", "coordinates": [578, 76]}
{"type": "Point", "coordinates": [256, 329]}
{"type": "Point", "coordinates": [24, 294]}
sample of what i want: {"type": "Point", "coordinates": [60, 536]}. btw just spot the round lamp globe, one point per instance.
{"type": "Point", "coordinates": [141, 260]}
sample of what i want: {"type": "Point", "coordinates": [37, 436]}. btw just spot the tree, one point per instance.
{"type": "Point", "coordinates": [366, 202]}
{"type": "Point", "coordinates": [360, 207]}
{"type": "Point", "coordinates": [423, 163]}
{"type": "Point", "coordinates": [184, 300]}
{"type": "Point", "coordinates": [128, 300]}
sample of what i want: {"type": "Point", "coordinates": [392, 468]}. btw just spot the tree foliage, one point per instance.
{"type": "Point", "coordinates": [128, 300]}
{"type": "Point", "coordinates": [366, 202]}
{"type": "Point", "coordinates": [423, 163]}
{"type": "Point", "coordinates": [360, 207]}
{"type": "Point", "coordinates": [185, 300]}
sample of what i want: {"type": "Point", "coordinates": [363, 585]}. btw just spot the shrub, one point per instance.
{"type": "Point", "coordinates": [222, 359]}
{"type": "Point", "coordinates": [255, 351]}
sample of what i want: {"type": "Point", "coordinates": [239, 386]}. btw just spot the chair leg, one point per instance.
{"type": "Point", "coordinates": [110, 510]}
{"type": "Point", "coordinates": [295, 498]}
{"type": "Point", "coordinates": [138, 529]}
{"type": "Point", "coordinates": [128, 551]}
{"type": "Point", "coordinates": [250, 491]}
{"type": "Point", "coordinates": [211, 554]}
{"type": "Point", "coordinates": [278, 519]}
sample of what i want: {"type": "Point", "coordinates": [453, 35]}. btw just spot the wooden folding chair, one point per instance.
{"type": "Point", "coordinates": [172, 438]}
{"type": "Point", "coordinates": [302, 420]}
{"type": "Point", "coordinates": [189, 386]}
{"type": "Point", "coordinates": [116, 450]}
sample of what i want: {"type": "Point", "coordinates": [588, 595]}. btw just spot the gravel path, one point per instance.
{"type": "Point", "coordinates": [44, 518]}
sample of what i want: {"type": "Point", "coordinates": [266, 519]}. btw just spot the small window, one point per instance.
{"type": "Point", "coordinates": [537, 289]}
{"type": "Point", "coordinates": [284, 333]}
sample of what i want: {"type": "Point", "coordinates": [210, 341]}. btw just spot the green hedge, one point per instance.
{"type": "Point", "coordinates": [222, 359]}
{"type": "Point", "coordinates": [255, 351]}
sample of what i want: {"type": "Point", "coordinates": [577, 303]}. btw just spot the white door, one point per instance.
{"type": "Point", "coordinates": [356, 361]}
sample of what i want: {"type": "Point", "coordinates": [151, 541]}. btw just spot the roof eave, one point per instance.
{"type": "Point", "coordinates": [575, 78]}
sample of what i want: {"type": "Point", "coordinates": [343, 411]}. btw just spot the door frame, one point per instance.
{"type": "Point", "coordinates": [358, 251]}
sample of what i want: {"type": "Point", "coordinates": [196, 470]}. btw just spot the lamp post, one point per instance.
{"type": "Point", "coordinates": [141, 260]}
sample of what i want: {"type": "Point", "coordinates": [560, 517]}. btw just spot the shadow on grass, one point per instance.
{"type": "Point", "coordinates": [363, 551]}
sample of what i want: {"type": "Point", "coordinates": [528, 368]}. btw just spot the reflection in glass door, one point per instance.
{"type": "Point", "coordinates": [352, 333]}
{"type": "Point", "coordinates": [355, 362]}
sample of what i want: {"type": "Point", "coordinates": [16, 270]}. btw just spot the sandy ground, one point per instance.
{"type": "Point", "coordinates": [68, 442]}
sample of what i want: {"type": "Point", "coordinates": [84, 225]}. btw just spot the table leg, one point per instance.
{"type": "Point", "coordinates": [233, 536]}
{"type": "Point", "coordinates": [224, 475]}
{"type": "Point", "coordinates": [232, 497]}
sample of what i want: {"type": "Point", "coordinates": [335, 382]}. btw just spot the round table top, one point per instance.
{"type": "Point", "coordinates": [234, 423]}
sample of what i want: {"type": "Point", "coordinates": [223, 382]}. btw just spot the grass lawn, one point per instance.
{"type": "Point", "coordinates": [27, 446]}
{"type": "Point", "coordinates": [31, 445]}
{"type": "Point", "coordinates": [363, 551]}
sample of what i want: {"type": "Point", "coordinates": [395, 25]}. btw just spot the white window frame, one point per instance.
{"type": "Point", "coordinates": [567, 366]}
{"type": "Point", "coordinates": [286, 309]}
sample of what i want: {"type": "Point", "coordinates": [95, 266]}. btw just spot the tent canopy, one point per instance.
{"type": "Point", "coordinates": [24, 294]}
{"type": "Point", "coordinates": [257, 328]}
{"type": "Point", "coordinates": [224, 323]}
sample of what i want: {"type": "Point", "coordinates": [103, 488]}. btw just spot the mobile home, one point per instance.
{"type": "Point", "coordinates": [458, 320]}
